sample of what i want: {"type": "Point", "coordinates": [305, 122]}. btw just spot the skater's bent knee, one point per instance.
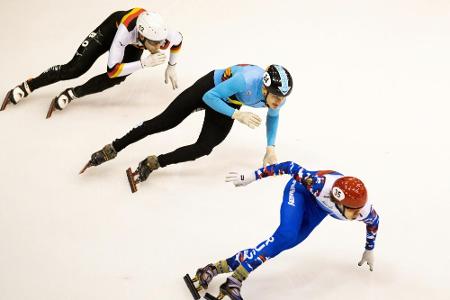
{"type": "Point", "coordinates": [70, 72]}
{"type": "Point", "coordinates": [118, 80]}
{"type": "Point", "coordinates": [204, 149]}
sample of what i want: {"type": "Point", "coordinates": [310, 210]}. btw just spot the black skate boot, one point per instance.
{"type": "Point", "coordinates": [97, 158]}
{"type": "Point", "coordinates": [61, 101]}
{"type": "Point", "coordinates": [203, 276]}
{"type": "Point", "coordinates": [16, 94]}
{"type": "Point", "coordinates": [231, 288]}
{"type": "Point", "coordinates": [142, 172]}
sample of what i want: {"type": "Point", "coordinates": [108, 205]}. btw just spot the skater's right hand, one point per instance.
{"type": "Point", "coordinates": [153, 60]}
{"type": "Point", "coordinates": [250, 119]}
{"type": "Point", "coordinates": [240, 179]}
{"type": "Point", "coordinates": [368, 258]}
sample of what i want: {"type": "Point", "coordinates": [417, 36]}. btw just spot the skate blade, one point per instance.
{"type": "Point", "coordinates": [131, 180]}
{"type": "Point", "coordinates": [5, 101]}
{"type": "Point", "coordinates": [51, 109]}
{"type": "Point", "coordinates": [88, 165]}
{"type": "Point", "coordinates": [191, 287]}
{"type": "Point", "coordinates": [208, 296]}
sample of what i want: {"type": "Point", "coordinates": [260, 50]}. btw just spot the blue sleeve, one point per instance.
{"type": "Point", "coordinates": [313, 181]}
{"type": "Point", "coordinates": [287, 167]}
{"type": "Point", "coordinates": [371, 221]}
{"type": "Point", "coordinates": [272, 126]}
{"type": "Point", "coordinates": [216, 97]}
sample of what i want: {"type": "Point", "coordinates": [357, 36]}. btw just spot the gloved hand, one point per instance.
{"type": "Point", "coordinates": [240, 179]}
{"type": "Point", "coordinates": [250, 119]}
{"type": "Point", "coordinates": [153, 60]}
{"type": "Point", "coordinates": [368, 258]}
{"type": "Point", "coordinates": [270, 157]}
{"type": "Point", "coordinates": [172, 76]}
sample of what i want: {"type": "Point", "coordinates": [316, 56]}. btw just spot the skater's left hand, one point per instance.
{"type": "Point", "coordinates": [270, 157]}
{"type": "Point", "coordinates": [171, 75]}
{"type": "Point", "coordinates": [240, 179]}
{"type": "Point", "coordinates": [368, 258]}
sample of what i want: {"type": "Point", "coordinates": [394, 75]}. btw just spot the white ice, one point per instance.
{"type": "Point", "coordinates": [370, 99]}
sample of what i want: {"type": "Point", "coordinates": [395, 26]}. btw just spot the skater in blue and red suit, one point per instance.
{"type": "Point", "coordinates": [309, 196]}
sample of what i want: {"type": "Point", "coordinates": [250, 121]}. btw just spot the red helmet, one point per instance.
{"type": "Point", "coordinates": [350, 192]}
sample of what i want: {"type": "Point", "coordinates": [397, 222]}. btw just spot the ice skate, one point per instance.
{"type": "Point", "coordinates": [231, 288]}
{"type": "Point", "coordinates": [142, 172]}
{"type": "Point", "coordinates": [203, 276]}
{"type": "Point", "coordinates": [97, 158]}
{"type": "Point", "coordinates": [61, 101]}
{"type": "Point", "coordinates": [16, 94]}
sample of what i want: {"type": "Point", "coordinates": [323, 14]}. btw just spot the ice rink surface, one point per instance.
{"type": "Point", "coordinates": [370, 99]}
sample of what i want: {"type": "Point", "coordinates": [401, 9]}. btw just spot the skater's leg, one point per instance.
{"type": "Point", "coordinates": [103, 81]}
{"type": "Point", "coordinates": [215, 129]}
{"type": "Point", "coordinates": [291, 218]}
{"type": "Point", "coordinates": [300, 214]}
{"type": "Point", "coordinates": [97, 84]}
{"type": "Point", "coordinates": [173, 115]}
{"type": "Point", "coordinates": [95, 44]}
{"type": "Point", "coordinates": [183, 105]}
{"type": "Point", "coordinates": [79, 64]}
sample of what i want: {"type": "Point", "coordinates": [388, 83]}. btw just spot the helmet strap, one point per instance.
{"type": "Point", "coordinates": [265, 97]}
{"type": "Point", "coordinates": [342, 211]}
{"type": "Point", "coordinates": [141, 39]}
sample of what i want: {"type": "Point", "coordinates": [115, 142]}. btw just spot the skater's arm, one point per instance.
{"type": "Point", "coordinates": [371, 221]}
{"type": "Point", "coordinates": [216, 97]}
{"type": "Point", "coordinates": [287, 167]}
{"type": "Point", "coordinates": [242, 179]}
{"type": "Point", "coordinates": [272, 126]}
{"type": "Point", "coordinates": [175, 39]}
{"type": "Point", "coordinates": [122, 69]}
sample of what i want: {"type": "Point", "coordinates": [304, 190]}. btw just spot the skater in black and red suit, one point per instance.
{"type": "Point", "coordinates": [125, 34]}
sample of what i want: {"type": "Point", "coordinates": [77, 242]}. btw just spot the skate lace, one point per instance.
{"type": "Point", "coordinates": [234, 287]}
{"type": "Point", "coordinates": [235, 292]}
{"type": "Point", "coordinates": [109, 152]}
{"type": "Point", "coordinates": [207, 274]}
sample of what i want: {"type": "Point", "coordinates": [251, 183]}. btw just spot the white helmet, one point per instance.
{"type": "Point", "coordinates": [152, 26]}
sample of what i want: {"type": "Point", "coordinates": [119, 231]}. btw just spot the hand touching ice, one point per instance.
{"type": "Point", "coordinates": [368, 258]}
